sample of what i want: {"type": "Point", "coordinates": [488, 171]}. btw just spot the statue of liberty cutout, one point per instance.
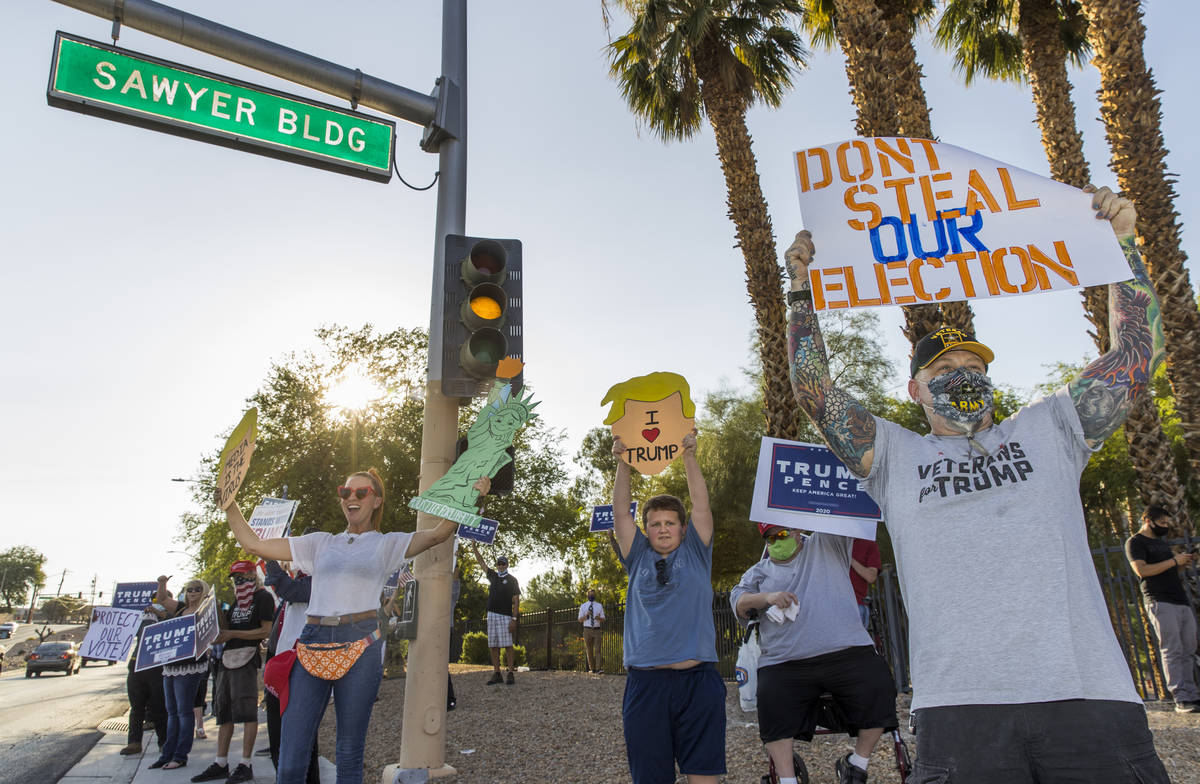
{"type": "Point", "coordinates": [454, 496]}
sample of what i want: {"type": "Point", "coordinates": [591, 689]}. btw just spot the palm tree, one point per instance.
{"type": "Point", "coordinates": [1034, 40]}
{"type": "Point", "coordinates": [1132, 116]}
{"type": "Point", "coordinates": [885, 83]}
{"type": "Point", "coordinates": [684, 60]}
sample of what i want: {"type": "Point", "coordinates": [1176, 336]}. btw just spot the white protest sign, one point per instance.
{"type": "Point", "coordinates": [903, 221]}
{"type": "Point", "coordinates": [271, 518]}
{"type": "Point", "coordinates": [801, 485]}
{"type": "Point", "coordinates": [111, 634]}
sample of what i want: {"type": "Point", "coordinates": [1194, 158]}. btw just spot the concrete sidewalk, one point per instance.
{"type": "Point", "coordinates": [105, 765]}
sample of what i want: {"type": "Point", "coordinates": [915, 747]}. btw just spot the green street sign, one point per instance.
{"type": "Point", "coordinates": [93, 78]}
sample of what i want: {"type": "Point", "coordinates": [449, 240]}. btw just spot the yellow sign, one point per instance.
{"type": "Point", "coordinates": [651, 414]}
{"type": "Point", "coordinates": [235, 458]}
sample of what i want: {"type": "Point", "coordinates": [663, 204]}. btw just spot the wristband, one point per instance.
{"type": "Point", "coordinates": [799, 295]}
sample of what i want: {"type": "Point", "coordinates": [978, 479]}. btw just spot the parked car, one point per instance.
{"type": "Point", "coordinates": [61, 656]}
{"type": "Point", "coordinates": [8, 629]}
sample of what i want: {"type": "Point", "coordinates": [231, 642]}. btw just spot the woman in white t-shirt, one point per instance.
{"type": "Point", "coordinates": [349, 570]}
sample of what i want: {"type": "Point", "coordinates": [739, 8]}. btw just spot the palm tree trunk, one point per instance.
{"type": "Point", "coordinates": [885, 85]}
{"type": "Point", "coordinates": [1131, 112]}
{"type": "Point", "coordinates": [756, 237]}
{"type": "Point", "coordinates": [1046, 67]}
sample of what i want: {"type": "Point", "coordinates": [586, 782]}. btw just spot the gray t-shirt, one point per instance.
{"type": "Point", "coordinates": [828, 619]}
{"type": "Point", "coordinates": [1003, 601]}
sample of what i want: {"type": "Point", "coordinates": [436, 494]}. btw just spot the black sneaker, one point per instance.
{"type": "Point", "coordinates": [496, 678]}
{"type": "Point", "coordinates": [848, 773]}
{"type": "Point", "coordinates": [244, 772]}
{"type": "Point", "coordinates": [509, 680]}
{"type": "Point", "coordinates": [1187, 707]}
{"type": "Point", "coordinates": [213, 772]}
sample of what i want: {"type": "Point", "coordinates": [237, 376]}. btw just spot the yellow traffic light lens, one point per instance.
{"type": "Point", "coordinates": [485, 307]}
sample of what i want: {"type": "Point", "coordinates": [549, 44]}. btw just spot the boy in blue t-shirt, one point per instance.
{"type": "Point", "coordinates": [674, 706]}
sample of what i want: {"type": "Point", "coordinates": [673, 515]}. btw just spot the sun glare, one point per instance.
{"type": "Point", "coordinates": [353, 391]}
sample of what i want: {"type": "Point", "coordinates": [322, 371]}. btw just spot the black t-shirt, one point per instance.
{"type": "Point", "coordinates": [1165, 586]}
{"type": "Point", "coordinates": [262, 608]}
{"type": "Point", "coordinates": [501, 592]}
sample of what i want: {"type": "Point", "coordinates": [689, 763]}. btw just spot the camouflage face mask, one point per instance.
{"type": "Point", "coordinates": [961, 395]}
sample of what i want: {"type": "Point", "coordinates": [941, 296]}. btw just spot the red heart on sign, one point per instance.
{"type": "Point", "coordinates": [650, 434]}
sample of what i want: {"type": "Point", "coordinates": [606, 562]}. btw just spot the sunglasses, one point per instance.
{"type": "Point", "coordinates": [660, 572]}
{"type": "Point", "coordinates": [193, 589]}
{"type": "Point", "coordinates": [358, 492]}
{"type": "Point", "coordinates": [242, 578]}
{"type": "Point", "coordinates": [775, 536]}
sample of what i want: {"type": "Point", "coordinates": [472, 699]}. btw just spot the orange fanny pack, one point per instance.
{"type": "Point", "coordinates": [331, 660]}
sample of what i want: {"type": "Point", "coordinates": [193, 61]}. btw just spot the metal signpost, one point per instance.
{"type": "Point", "coordinates": [443, 115]}
{"type": "Point", "coordinates": [93, 78]}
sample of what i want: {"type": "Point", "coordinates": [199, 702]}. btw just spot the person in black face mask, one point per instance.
{"type": "Point", "coordinates": [591, 615]}
{"type": "Point", "coordinates": [1157, 568]}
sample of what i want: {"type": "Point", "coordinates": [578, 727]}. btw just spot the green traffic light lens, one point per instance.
{"type": "Point", "coordinates": [482, 352]}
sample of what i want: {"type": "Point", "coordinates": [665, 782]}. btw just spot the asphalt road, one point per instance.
{"type": "Point", "coordinates": [48, 723]}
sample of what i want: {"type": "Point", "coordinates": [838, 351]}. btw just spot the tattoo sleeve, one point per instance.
{"type": "Point", "coordinates": [1107, 389]}
{"type": "Point", "coordinates": [848, 428]}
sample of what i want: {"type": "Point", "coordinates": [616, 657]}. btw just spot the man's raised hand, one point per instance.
{"type": "Point", "coordinates": [798, 256]}
{"type": "Point", "coordinates": [1115, 209]}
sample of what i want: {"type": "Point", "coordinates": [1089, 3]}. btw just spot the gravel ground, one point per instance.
{"type": "Point", "coordinates": [566, 727]}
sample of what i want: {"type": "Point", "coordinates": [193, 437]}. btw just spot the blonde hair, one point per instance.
{"type": "Point", "coordinates": [377, 484]}
{"type": "Point", "coordinates": [648, 388]}
{"type": "Point", "coordinates": [194, 581]}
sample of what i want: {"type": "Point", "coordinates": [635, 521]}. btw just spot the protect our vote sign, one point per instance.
{"type": "Point", "coordinates": [110, 634]}
{"type": "Point", "coordinates": [899, 221]}
{"type": "Point", "coordinates": [806, 486]}
{"type": "Point", "coordinates": [178, 639]}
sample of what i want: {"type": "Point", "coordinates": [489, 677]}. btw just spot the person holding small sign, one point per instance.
{"type": "Point", "coordinates": [812, 643]}
{"type": "Point", "coordinates": [674, 705]}
{"type": "Point", "coordinates": [1017, 675]}
{"type": "Point", "coordinates": [339, 649]}
{"type": "Point", "coordinates": [181, 680]}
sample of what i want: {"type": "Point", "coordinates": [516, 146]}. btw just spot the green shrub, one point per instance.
{"type": "Point", "coordinates": [475, 650]}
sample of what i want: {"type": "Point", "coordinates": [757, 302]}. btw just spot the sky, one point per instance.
{"type": "Point", "coordinates": [149, 281]}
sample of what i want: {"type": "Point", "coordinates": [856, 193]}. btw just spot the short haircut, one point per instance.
{"type": "Point", "coordinates": [648, 388]}
{"type": "Point", "coordinates": [1155, 512]}
{"type": "Point", "coordinates": [668, 502]}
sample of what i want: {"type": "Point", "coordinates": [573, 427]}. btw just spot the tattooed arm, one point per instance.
{"type": "Point", "coordinates": [1107, 389]}
{"type": "Point", "coordinates": [846, 425]}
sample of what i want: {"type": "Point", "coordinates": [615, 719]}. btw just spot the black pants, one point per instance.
{"type": "Point", "coordinates": [1066, 742]}
{"type": "Point", "coordinates": [273, 726]}
{"type": "Point", "coordinates": [145, 690]}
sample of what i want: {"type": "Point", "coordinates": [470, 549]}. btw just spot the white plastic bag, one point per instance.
{"type": "Point", "coordinates": [747, 671]}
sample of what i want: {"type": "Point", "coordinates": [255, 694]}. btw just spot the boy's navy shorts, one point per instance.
{"type": "Point", "coordinates": [674, 716]}
{"type": "Point", "coordinates": [789, 693]}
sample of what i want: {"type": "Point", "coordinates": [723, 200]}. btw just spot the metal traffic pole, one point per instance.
{"type": "Point", "coordinates": [423, 735]}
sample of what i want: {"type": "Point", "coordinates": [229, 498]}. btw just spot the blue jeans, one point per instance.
{"type": "Point", "coordinates": [179, 692]}
{"type": "Point", "coordinates": [353, 698]}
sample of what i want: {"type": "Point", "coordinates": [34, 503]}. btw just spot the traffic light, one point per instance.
{"type": "Point", "coordinates": [481, 312]}
{"type": "Point", "coordinates": [502, 482]}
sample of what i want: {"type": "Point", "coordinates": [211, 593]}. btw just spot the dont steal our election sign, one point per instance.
{"type": "Point", "coordinates": [899, 221]}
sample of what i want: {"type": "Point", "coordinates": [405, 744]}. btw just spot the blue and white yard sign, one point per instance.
{"type": "Point", "coordinates": [805, 486]}
{"type": "Point", "coordinates": [133, 596]}
{"type": "Point", "coordinates": [602, 517]}
{"type": "Point", "coordinates": [178, 639]}
{"type": "Point", "coordinates": [207, 627]}
{"type": "Point", "coordinates": [485, 532]}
